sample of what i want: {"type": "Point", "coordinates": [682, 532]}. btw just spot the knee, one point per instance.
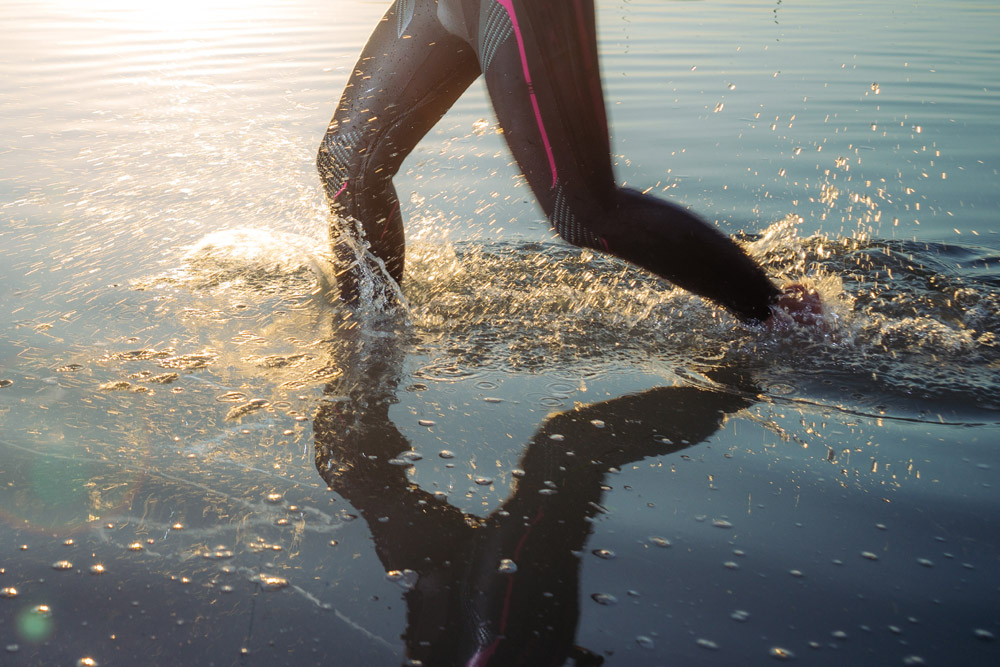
{"type": "Point", "coordinates": [574, 221]}
{"type": "Point", "coordinates": [337, 158]}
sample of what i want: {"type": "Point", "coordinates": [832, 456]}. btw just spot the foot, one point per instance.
{"type": "Point", "coordinates": [797, 304]}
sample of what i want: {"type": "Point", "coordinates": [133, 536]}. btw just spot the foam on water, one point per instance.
{"type": "Point", "coordinates": [904, 321]}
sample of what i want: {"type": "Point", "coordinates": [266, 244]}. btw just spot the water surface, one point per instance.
{"type": "Point", "coordinates": [264, 477]}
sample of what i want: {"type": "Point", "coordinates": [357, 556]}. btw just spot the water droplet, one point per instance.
{"type": "Point", "coordinates": [781, 653]}
{"type": "Point", "coordinates": [226, 588]}
{"type": "Point", "coordinates": [795, 573]}
{"type": "Point", "coordinates": [62, 565]}
{"type": "Point", "coordinates": [270, 582]}
{"type": "Point", "coordinates": [869, 555]}
{"type": "Point", "coordinates": [661, 542]}
{"type": "Point", "coordinates": [507, 566]}
{"type": "Point", "coordinates": [483, 481]}
{"type": "Point", "coordinates": [707, 643]}
{"type": "Point", "coordinates": [731, 565]}
{"type": "Point", "coordinates": [517, 472]}
{"type": "Point", "coordinates": [86, 662]}
{"type": "Point", "coordinates": [273, 498]}
{"type": "Point", "coordinates": [8, 592]}
{"type": "Point", "coordinates": [42, 610]}
{"type": "Point", "coordinates": [97, 568]}
{"type": "Point", "coordinates": [405, 579]}
{"type": "Point", "coordinates": [838, 634]}
{"type": "Point", "coordinates": [68, 542]}
{"type": "Point", "coordinates": [914, 660]}
{"type": "Point", "coordinates": [925, 562]}
{"type": "Point", "coordinates": [135, 546]}
{"type": "Point", "coordinates": [177, 526]}
{"type": "Point", "coordinates": [427, 422]}
{"type": "Point", "coordinates": [606, 599]}
{"type": "Point", "coordinates": [558, 437]}
{"type": "Point", "coordinates": [606, 554]}
{"type": "Point", "coordinates": [740, 615]}
{"type": "Point", "coordinates": [731, 86]}
{"type": "Point", "coordinates": [644, 642]}
{"type": "Point", "coordinates": [5, 383]}
{"type": "Point", "coordinates": [281, 522]}
{"type": "Point", "coordinates": [333, 543]}
{"type": "Point", "coordinates": [446, 454]}
{"type": "Point", "coordinates": [12, 648]}
{"type": "Point", "coordinates": [721, 523]}
{"type": "Point", "coordinates": [983, 634]}
{"type": "Point", "coordinates": [597, 423]}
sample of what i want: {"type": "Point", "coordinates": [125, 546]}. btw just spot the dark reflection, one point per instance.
{"type": "Point", "coordinates": [462, 608]}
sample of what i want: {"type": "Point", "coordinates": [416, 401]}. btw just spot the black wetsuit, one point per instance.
{"type": "Point", "coordinates": [540, 63]}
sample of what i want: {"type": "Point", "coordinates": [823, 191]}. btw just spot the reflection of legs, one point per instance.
{"type": "Point", "coordinates": [544, 80]}
{"type": "Point", "coordinates": [399, 89]}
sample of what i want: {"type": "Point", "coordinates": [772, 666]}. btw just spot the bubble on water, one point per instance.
{"type": "Point", "coordinates": [271, 582]}
{"type": "Point", "coordinates": [780, 653]}
{"type": "Point", "coordinates": [242, 410]}
{"type": "Point", "coordinates": [407, 458]}
{"type": "Point", "coordinates": [606, 599]}
{"type": "Point", "coordinates": [426, 422]}
{"type": "Point", "coordinates": [740, 616]}
{"type": "Point", "coordinates": [707, 643]}
{"type": "Point", "coordinates": [645, 642]}
{"type": "Point", "coordinates": [405, 579]}
{"type": "Point", "coordinates": [507, 566]}
{"type": "Point", "coordinates": [8, 592]}
{"type": "Point", "coordinates": [661, 542]}
{"type": "Point", "coordinates": [517, 472]}
{"type": "Point", "coordinates": [62, 565]}
{"type": "Point", "coordinates": [97, 568]}
{"type": "Point", "coordinates": [446, 454]}
{"type": "Point", "coordinates": [606, 554]}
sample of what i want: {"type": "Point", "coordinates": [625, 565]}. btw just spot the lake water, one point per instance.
{"type": "Point", "coordinates": [203, 461]}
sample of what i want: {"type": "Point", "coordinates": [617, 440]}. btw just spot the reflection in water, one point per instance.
{"type": "Point", "coordinates": [503, 589]}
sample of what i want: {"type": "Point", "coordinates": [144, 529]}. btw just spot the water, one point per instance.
{"type": "Point", "coordinates": [177, 392]}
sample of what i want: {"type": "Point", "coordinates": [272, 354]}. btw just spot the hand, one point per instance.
{"type": "Point", "coordinates": [798, 304]}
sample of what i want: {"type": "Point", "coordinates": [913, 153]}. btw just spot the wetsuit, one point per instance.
{"type": "Point", "coordinates": [540, 64]}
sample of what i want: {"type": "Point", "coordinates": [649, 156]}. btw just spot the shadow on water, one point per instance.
{"type": "Point", "coordinates": [502, 589]}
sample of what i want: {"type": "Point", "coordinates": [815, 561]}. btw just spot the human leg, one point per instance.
{"type": "Point", "coordinates": [544, 81]}
{"type": "Point", "coordinates": [409, 74]}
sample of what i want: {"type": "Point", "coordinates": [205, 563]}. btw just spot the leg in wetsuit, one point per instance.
{"type": "Point", "coordinates": [540, 63]}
